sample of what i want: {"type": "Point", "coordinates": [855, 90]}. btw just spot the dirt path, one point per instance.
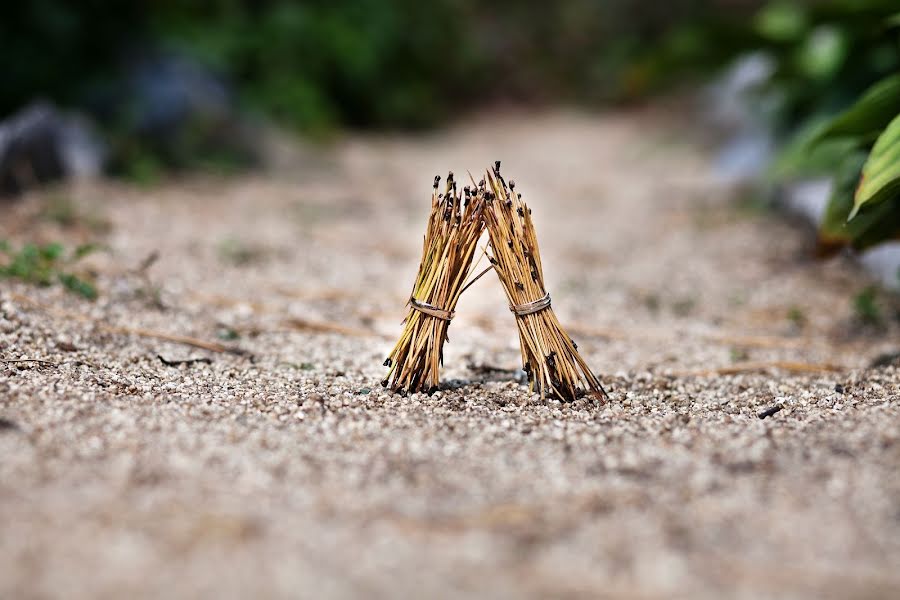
{"type": "Point", "coordinates": [288, 472]}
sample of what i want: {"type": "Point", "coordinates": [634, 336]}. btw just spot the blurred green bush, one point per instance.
{"type": "Point", "coordinates": [318, 64]}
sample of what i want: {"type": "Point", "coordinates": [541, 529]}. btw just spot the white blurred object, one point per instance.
{"type": "Point", "coordinates": [83, 153]}
{"type": "Point", "coordinates": [883, 261]}
{"type": "Point", "coordinates": [807, 198]}
{"type": "Point", "coordinates": [733, 105]}
{"type": "Point", "coordinates": [40, 144]}
{"type": "Point", "coordinates": [744, 158]}
{"type": "Point", "coordinates": [738, 110]}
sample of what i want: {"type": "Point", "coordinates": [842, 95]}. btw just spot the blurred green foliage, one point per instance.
{"type": "Point", "coordinates": [865, 305]}
{"type": "Point", "coordinates": [827, 53]}
{"type": "Point", "coordinates": [836, 89]}
{"type": "Point", "coordinates": [318, 64]}
{"type": "Point", "coordinates": [59, 50]}
{"type": "Point", "coordinates": [46, 264]}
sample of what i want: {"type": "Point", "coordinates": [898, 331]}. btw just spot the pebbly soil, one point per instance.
{"type": "Point", "coordinates": [280, 468]}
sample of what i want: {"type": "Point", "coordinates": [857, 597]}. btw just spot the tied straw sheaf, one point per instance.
{"type": "Point", "coordinates": [549, 356]}
{"type": "Point", "coordinates": [451, 240]}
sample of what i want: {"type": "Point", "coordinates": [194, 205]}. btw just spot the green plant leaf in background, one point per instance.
{"type": "Point", "coordinates": [834, 230]}
{"type": "Point", "coordinates": [806, 154]}
{"type": "Point", "coordinates": [881, 174]}
{"type": "Point", "coordinates": [78, 285]}
{"type": "Point", "coordinates": [781, 21]}
{"type": "Point", "coordinates": [869, 115]}
{"type": "Point", "coordinates": [44, 265]}
{"type": "Point", "coordinates": [885, 226]}
{"type": "Point", "coordinates": [84, 250]}
{"type": "Point", "coordinates": [823, 52]}
{"type": "Point", "coordinates": [871, 227]}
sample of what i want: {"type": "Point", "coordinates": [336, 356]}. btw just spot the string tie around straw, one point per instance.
{"type": "Point", "coordinates": [431, 310]}
{"type": "Point", "coordinates": [529, 308]}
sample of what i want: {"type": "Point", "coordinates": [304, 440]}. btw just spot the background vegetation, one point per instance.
{"type": "Point", "coordinates": [372, 63]}
{"type": "Point", "coordinates": [836, 99]}
{"type": "Point", "coordinates": [318, 65]}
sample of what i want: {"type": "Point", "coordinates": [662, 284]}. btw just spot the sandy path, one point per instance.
{"type": "Point", "coordinates": [290, 473]}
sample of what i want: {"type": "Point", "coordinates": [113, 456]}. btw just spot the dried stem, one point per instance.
{"type": "Point", "coordinates": [139, 331]}
{"type": "Point", "coordinates": [549, 355]}
{"type": "Point", "coordinates": [451, 239]}
{"type": "Point", "coordinates": [752, 367]}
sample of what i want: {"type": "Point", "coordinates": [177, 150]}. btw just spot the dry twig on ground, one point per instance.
{"type": "Point", "coordinates": [752, 367]}
{"type": "Point", "coordinates": [126, 330]}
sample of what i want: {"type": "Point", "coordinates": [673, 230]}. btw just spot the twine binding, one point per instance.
{"type": "Point", "coordinates": [431, 310]}
{"type": "Point", "coordinates": [529, 308]}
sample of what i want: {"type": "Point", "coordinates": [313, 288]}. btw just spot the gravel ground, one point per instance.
{"type": "Point", "coordinates": [282, 468]}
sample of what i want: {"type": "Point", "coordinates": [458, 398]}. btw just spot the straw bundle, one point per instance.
{"type": "Point", "coordinates": [549, 355]}
{"type": "Point", "coordinates": [454, 227]}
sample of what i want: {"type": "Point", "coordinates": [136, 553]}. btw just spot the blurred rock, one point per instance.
{"type": "Point", "coordinates": [738, 113]}
{"type": "Point", "coordinates": [177, 109]}
{"type": "Point", "coordinates": [883, 261]}
{"type": "Point", "coordinates": [41, 144]}
{"type": "Point", "coordinates": [169, 91]}
{"type": "Point", "coordinates": [807, 199]}
{"type": "Point", "coordinates": [732, 97]}
{"type": "Point", "coordinates": [744, 157]}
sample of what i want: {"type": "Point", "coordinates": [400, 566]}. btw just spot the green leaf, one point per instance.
{"type": "Point", "coordinates": [885, 226]}
{"type": "Point", "coordinates": [84, 250]}
{"type": "Point", "coordinates": [881, 173]}
{"type": "Point", "coordinates": [78, 285]}
{"type": "Point", "coordinates": [50, 252]}
{"type": "Point", "coordinates": [866, 306]}
{"type": "Point", "coordinates": [801, 156]}
{"type": "Point", "coordinates": [869, 115]}
{"type": "Point", "coordinates": [834, 229]}
{"type": "Point", "coordinates": [869, 228]}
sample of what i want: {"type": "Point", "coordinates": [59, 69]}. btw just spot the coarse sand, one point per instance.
{"type": "Point", "coordinates": [280, 468]}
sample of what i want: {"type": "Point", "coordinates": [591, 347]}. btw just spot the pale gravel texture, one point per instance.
{"type": "Point", "coordinates": [291, 473]}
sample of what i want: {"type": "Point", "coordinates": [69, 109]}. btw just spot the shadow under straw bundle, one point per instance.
{"type": "Point", "coordinates": [451, 239]}
{"type": "Point", "coordinates": [549, 355]}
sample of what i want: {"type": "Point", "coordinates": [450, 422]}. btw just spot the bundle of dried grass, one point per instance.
{"type": "Point", "coordinates": [451, 239]}
{"type": "Point", "coordinates": [549, 355]}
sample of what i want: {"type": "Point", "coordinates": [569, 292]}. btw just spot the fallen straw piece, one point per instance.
{"type": "Point", "coordinates": [549, 355]}
{"type": "Point", "coordinates": [451, 238]}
